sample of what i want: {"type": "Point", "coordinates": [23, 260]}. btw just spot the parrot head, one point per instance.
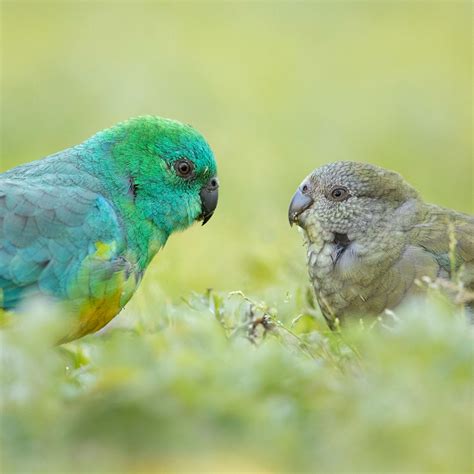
{"type": "Point", "coordinates": [347, 198]}
{"type": "Point", "coordinates": [170, 170]}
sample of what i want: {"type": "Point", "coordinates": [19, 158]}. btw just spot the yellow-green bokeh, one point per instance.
{"type": "Point", "coordinates": [277, 88]}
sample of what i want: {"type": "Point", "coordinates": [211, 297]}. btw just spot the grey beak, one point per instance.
{"type": "Point", "coordinates": [299, 203]}
{"type": "Point", "coordinates": [209, 196]}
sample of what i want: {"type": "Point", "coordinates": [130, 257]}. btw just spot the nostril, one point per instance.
{"type": "Point", "coordinates": [305, 188]}
{"type": "Point", "coordinates": [214, 184]}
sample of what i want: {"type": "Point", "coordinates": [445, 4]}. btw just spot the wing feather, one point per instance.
{"type": "Point", "coordinates": [437, 232]}
{"type": "Point", "coordinates": [47, 233]}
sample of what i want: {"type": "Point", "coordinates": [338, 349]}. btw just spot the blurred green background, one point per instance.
{"type": "Point", "coordinates": [277, 88]}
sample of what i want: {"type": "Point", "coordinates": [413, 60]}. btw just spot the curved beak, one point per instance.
{"type": "Point", "coordinates": [299, 203]}
{"type": "Point", "coordinates": [209, 195]}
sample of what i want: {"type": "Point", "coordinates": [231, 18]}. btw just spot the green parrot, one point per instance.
{"type": "Point", "coordinates": [82, 225]}
{"type": "Point", "coordinates": [369, 236]}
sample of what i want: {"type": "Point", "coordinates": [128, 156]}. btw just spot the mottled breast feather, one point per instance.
{"type": "Point", "coordinates": [379, 270]}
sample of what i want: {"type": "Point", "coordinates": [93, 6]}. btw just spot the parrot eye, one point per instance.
{"type": "Point", "coordinates": [339, 193]}
{"type": "Point", "coordinates": [184, 168]}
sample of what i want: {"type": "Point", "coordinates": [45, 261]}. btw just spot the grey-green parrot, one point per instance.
{"type": "Point", "coordinates": [370, 236]}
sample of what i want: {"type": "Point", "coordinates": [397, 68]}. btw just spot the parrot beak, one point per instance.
{"type": "Point", "coordinates": [299, 203]}
{"type": "Point", "coordinates": [209, 196]}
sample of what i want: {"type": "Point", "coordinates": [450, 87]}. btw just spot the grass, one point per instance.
{"type": "Point", "coordinates": [221, 383]}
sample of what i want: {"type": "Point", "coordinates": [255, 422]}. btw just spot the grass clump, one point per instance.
{"type": "Point", "coordinates": [222, 383]}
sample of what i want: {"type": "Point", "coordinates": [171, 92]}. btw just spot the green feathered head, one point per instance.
{"type": "Point", "coordinates": [170, 169]}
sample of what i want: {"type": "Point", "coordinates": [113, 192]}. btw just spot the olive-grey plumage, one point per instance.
{"type": "Point", "coordinates": [369, 236]}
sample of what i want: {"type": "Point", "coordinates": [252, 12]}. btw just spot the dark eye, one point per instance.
{"type": "Point", "coordinates": [184, 168]}
{"type": "Point", "coordinates": [339, 193]}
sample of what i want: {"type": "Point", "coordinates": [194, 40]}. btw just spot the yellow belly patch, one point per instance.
{"type": "Point", "coordinates": [95, 313]}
